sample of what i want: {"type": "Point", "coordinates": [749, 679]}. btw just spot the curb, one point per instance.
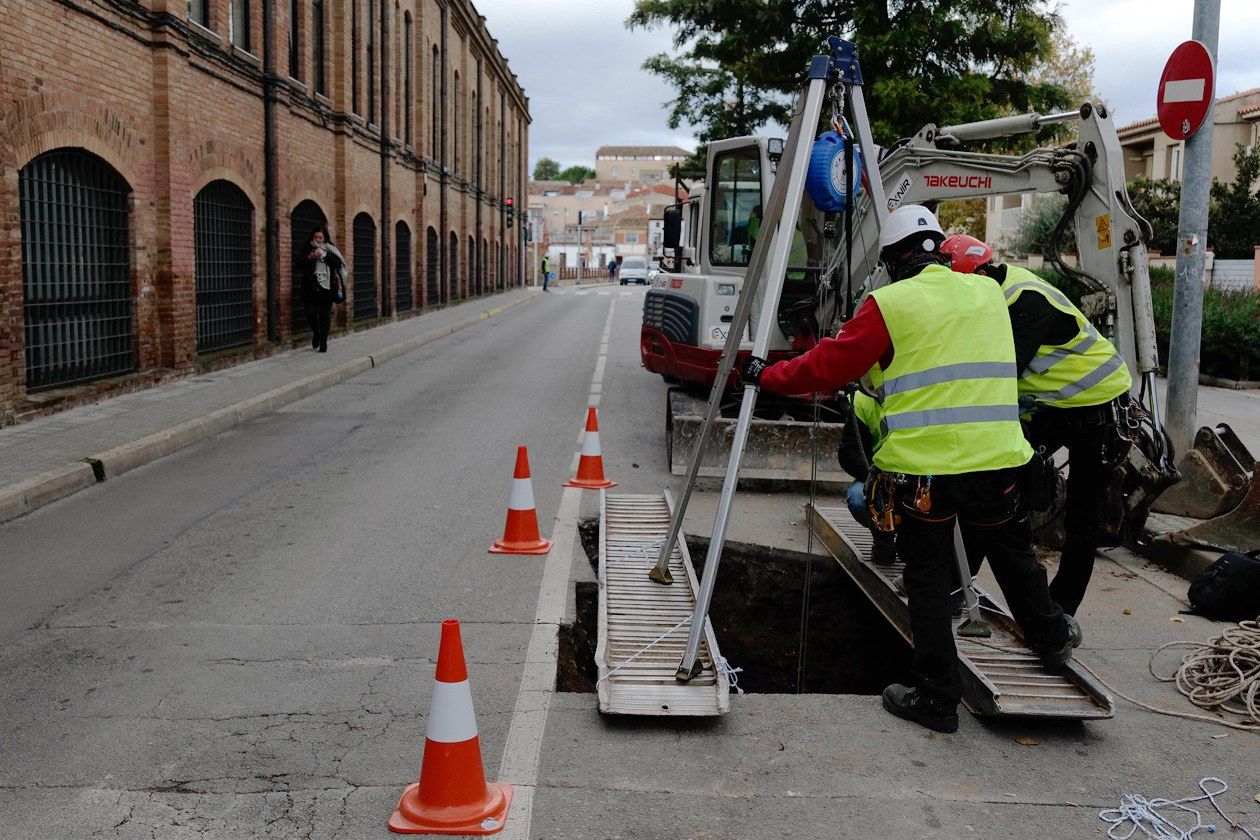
{"type": "Point", "coordinates": [27, 495]}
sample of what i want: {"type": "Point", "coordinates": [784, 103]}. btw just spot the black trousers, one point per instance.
{"type": "Point", "coordinates": [1083, 431]}
{"type": "Point", "coordinates": [986, 503]}
{"type": "Point", "coordinates": [318, 313]}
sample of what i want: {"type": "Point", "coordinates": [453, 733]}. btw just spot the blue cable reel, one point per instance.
{"type": "Point", "coordinates": [824, 182]}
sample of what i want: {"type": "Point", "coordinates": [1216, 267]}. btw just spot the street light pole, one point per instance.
{"type": "Point", "coordinates": [1181, 414]}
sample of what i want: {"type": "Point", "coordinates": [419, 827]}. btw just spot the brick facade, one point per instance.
{"type": "Point", "coordinates": [172, 106]}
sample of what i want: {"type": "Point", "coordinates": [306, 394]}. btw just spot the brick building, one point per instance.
{"type": "Point", "coordinates": [140, 166]}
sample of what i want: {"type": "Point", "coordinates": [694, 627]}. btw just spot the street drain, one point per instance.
{"type": "Point", "coordinates": [756, 616]}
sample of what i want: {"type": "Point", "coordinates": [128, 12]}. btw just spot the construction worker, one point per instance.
{"type": "Point", "coordinates": [938, 351]}
{"type": "Point", "coordinates": [1076, 382]}
{"type": "Point", "coordinates": [859, 441]}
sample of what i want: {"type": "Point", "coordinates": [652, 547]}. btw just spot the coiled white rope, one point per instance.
{"type": "Point", "coordinates": [1137, 813]}
{"type": "Point", "coordinates": [1222, 674]}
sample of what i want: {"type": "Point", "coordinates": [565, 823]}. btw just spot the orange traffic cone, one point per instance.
{"type": "Point", "coordinates": [452, 796]}
{"type": "Point", "coordinates": [520, 533]}
{"type": "Point", "coordinates": [590, 474]}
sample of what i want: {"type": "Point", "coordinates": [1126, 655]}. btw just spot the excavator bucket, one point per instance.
{"type": "Point", "coordinates": [1215, 476]}
{"type": "Point", "coordinates": [1237, 530]}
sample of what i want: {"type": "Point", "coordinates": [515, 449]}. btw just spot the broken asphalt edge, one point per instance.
{"type": "Point", "coordinates": [20, 498]}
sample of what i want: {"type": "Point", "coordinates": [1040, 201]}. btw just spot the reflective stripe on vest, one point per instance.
{"type": "Point", "coordinates": [949, 416]}
{"type": "Point", "coordinates": [946, 373]}
{"type": "Point", "coordinates": [1085, 371]}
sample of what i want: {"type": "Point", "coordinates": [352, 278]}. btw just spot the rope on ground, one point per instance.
{"type": "Point", "coordinates": [1222, 674]}
{"type": "Point", "coordinates": [645, 649]}
{"type": "Point", "coordinates": [1137, 813]}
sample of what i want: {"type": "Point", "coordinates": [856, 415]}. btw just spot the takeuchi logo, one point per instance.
{"type": "Point", "coordinates": [959, 182]}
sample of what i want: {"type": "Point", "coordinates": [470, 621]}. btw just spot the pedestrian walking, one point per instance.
{"type": "Point", "coordinates": [323, 272]}
{"type": "Point", "coordinates": [546, 271]}
{"type": "Point", "coordinates": [612, 270]}
{"type": "Point", "coordinates": [938, 353]}
{"type": "Point", "coordinates": [1077, 386]}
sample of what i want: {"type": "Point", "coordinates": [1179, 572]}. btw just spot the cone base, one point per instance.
{"type": "Point", "coordinates": [590, 483]}
{"type": "Point", "coordinates": [409, 818]}
{"type": "Point", "coordinates": [505, 547]}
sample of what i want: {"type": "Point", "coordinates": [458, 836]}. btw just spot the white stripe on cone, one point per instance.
{"type": "Point", "coordinates": [522, 495]}
{"type": "Point", "coordinates": [451, 718]}
{"type": "Point", "coordinates": [590, 444]}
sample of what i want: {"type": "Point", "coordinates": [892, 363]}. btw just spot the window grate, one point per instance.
{"type": "Point", "coordinates": [305, 218]}
{"type": "Point", "coordinates": [364, 267]}
{"type": "Point", "coordinates": [402, 267]}
{"type": "Point", "coordinates": [76, 269]}
{"type": "Point", "coordinates": [432, 272]}
{"type": "Point", "coordinates": [223, 243]}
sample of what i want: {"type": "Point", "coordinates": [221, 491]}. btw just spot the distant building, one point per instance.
{"type": "Point", "coordinates": [1150, 152]}
{"type": "Point", "coordinates": [644, 164]}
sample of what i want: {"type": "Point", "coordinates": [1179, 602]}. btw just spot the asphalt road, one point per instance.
{"type": "Point", "coordinates": [236, 640]}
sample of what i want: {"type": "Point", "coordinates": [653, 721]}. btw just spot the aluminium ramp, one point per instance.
{"type": "Point", "coordinates": [1001, 677]}
{"type": "Point", "coordinates": [643, 625]}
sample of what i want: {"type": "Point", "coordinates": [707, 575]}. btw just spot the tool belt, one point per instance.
{"type": "Point", "coordinates": [885, 490]}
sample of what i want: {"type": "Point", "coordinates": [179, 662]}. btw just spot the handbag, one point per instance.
{"type": "Point", "coordinates": [1229, 589]}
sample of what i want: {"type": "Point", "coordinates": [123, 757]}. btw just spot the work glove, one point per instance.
{"type": "Point", "coordinates": [752, 370]}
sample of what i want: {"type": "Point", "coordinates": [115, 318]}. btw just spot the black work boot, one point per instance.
{"type": "Point", "coordinates": [883, 551]}
{"type": "Point", "coordinates": [909, 703]}
{"type": "Point", "coordinates": [1054, 657]}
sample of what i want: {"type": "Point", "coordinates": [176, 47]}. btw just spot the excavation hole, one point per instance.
{"type": "Point", "coordinates": [756, 615]}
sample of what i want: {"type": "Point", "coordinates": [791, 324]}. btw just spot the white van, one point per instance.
{"type": "Point", "coordinates": [634, 269]}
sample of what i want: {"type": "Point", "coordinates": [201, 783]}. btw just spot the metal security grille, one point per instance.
{"type": "Point", "coordinates": [402, 267]}
{"type": "Point", "coordinates": [302, 221]}
{"type": "Point", "coordinates": [432, 272]}
{"type": "Point", "coordinates": [453, 256]}
{"type": "Point", "coordinates": [364, 267]}
{"type": "Point", "coordinates": [76, 269]}
{"type": "Point", "coordinates": [223, 245]}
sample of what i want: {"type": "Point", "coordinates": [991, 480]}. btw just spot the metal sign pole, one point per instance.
{"type": "Point", "coordinates": [782, 232]}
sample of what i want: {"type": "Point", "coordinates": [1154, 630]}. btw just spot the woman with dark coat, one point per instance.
{"type": "Point", "coordinates": [321, 264]}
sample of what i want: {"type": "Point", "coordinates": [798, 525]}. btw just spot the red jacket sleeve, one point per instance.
{"type": "Point", "coordinates": [835, 362]}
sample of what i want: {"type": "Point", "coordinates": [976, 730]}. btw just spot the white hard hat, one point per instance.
{"type": "Point", "coordinates": [906, 221]}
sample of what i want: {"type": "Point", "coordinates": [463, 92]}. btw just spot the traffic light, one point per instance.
{"type": "Point", "coordinates": [507, 205]}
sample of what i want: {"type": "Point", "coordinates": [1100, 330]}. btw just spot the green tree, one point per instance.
{"type": "Point", "coordinates": [1234, 224]}
{"type": "Point", "coordinates": [1036, 224]}
{"type": "Point", "coordinates": [963, 215]}
{"type": "Point", "coordinates": [576, 174]}
{"type": "Point", "coordinates": [1158, 202]}
{"type": "Point", "coordinates": [738, 62]}
{"type": "Point", "coordinates": [546, 170]}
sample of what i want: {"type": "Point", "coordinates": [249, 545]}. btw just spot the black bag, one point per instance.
{"type": "Point", "coordinates": [1038, 482]}
{"type": "Point", "coordinates": [1229, 589]}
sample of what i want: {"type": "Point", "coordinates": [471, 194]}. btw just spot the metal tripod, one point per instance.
{"type": "Point", "coordinates": [768, 264]}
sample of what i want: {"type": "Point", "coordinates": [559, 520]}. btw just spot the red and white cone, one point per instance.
{"type": "Point", "coordinates": [590, 473]}
{"type": "Point", "coordinates": [520, 532]}
{"type": "Point", "coordinates": [452, 796]}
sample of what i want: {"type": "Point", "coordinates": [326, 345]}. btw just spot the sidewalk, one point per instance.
{"type": "Point", "coordinates": [51, 457]}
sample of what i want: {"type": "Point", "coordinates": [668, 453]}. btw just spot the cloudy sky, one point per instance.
{"type": "Point", "coordinates": [582, 68]}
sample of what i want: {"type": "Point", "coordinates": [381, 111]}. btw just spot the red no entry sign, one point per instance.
{"type": "Point", "coordinates": [1185, 90]}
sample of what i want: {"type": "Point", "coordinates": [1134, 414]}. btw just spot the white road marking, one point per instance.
{"type": "Point", "coordinates": [583, 292]}
{"type": "Point", "coordinates": [523, 750]}
{"type": "Point", "coordinates": [605, 294]}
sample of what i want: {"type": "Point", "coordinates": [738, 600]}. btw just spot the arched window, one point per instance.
{"type": "Point", "coordinates": [452, 255]}
{"type": "Point", "coordinates": [223, 257]}
{"type": "Point", "coordinates": [484, 269]}
{"type": "Point", "coordinates": [402, 267]}
{"type": "Point", "coordinates": [432, 269]}
{"type": "Point", "coordinates": [76, 269]}
{"type": "Point", "coordinates": [473, 288]}
{"type": "Point", "coordinates": [302, 222]}
{"type": "Point", "coordinates": [364, 261]}
{"type": "Point", "coordinates": [502, 276]}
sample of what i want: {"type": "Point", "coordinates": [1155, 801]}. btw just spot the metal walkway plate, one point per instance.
{"type": "Point", "coordinates": [643, 625]}
{"type": "Point", "coordinates": [1001, 677]}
